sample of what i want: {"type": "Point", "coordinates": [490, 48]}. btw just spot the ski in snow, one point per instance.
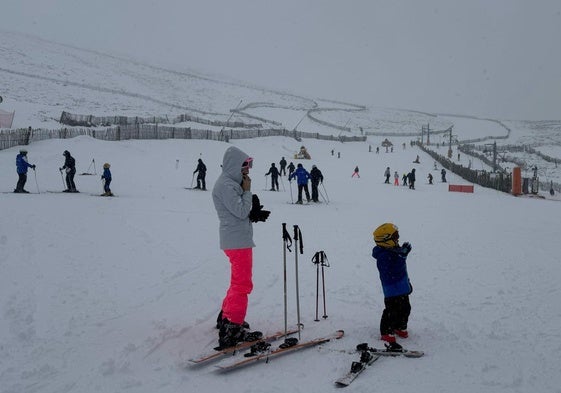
{"type": "Point", "coordinates": [369, 355]}
{"type": "Point", "coordinates": [386, 352]}
{"type": "Point", "coordinates": [366, 359]}
{"type": "Point", "coordinates": [254, 357]}
{"type": "Point", "coordinates": [219, 353]}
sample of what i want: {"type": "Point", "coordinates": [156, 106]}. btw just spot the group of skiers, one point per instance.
{"type": "Point", "coordinates": [408, 179]}
{"type": "Point", "coordinates": [68, 167]}
{"type": "Point", "coordinates": [302, 176]}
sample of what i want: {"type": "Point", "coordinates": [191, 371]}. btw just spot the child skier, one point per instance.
{"type": "Point", "coordinates": [107, 180]}
{"type": "Point", "coordinates": [392, 267]}
{"type": "Point", "coordinates": [21, 168]}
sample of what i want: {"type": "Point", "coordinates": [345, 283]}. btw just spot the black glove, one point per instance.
{"type": "Point", "coordinates": [33, 167]}
{"type": "Point", "coordinates": [257, 213]}
{"type": "Point", "coordinates": [262, 215]}
{"type": "Point", "coordinates": [405, 249]}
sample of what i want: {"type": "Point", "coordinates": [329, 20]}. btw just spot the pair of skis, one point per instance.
{"type": "Point", "coordinates": [368, 356]}
{"type": "Point", "coordinates": [258, 350]}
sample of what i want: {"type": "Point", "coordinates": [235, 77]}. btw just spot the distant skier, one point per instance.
{"type": "Point", "coordinates": [443, 175]}
{"type": "Point", "coordinates": [387, 173]}
{"type": "Point", "coordinates": [302, 177]}
{"type": "Point", "coordinates": [404, 179]}
{"type": "Point", "coordinates": [282, 164]}
{"type": "Point", "coordinates": [316, 177]}
{"type": "Point", "coordinates": [291, 168]}
{"type": "Point", "coordinates": [274, 172]}
{"type": "Point", "coordinates": [356, 172]}
{"type": "Point", "coordinates": [201, 169]}
{"type": "Point", "coordinates": [70, 168]}
{"type": "Point", "coordinates": [411, 179]}
{"type": "Point", "coordinates": [106, 177]}
{"type": "Point", "coordinates": [21, 169]}
{"type": "Point", "coordinates": [391, 260]}
{"type": "Point", "coordinates": [430, 178]}
{"type": "Point", "coordinates": [395, 179]}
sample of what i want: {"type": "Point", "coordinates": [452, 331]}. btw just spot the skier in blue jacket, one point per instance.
{"type": "Point", "coordinates": [21, 168]}
{"type": "Point", "coordinates": [302, 177]}
{"type": "Point", "coordinates": [391, 260]}
{"type": "Point", "coordinates": [106, 177]}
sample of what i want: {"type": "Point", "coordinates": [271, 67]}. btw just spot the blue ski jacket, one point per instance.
{"type": "Point", "coordinates": [301, 175]}
{"type": "Point", "coordinates": [392, 266]}
{"type": "Point", "coordinates": [106, 174]}
{"type": "Point", "coordinates": [22, 164]}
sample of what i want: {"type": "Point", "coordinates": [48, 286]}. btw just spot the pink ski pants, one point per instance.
{"type": "Point", "coordinates": [234, 305]}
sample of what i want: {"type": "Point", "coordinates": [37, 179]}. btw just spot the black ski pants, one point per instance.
{"type": "Point", "coordinates": [201, 181]}
{"type": "Point", "coordinates": [396, 314]}
{"type": "Point", "coordinates": [274, 183]}
{"type": "Point", "coordinates": [303, 187]}
{"type": "Point", "coordinates": [315, 194]}
{"type": "Point", "coordinates": [22, 179]}
{"type": "Point", "coordinates": [70, 179]}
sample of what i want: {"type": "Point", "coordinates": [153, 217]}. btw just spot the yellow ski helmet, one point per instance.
{"type": "Point", "coordinates": [386, 235]}
{"type": "Point", "coordinates": [106, 165]}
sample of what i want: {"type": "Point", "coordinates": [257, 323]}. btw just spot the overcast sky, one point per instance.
{"type": "Point", "coordinates": [489, 58]}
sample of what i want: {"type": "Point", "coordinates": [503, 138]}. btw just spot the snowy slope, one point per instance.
{"type": "Point", "coordinates": [115, 294]}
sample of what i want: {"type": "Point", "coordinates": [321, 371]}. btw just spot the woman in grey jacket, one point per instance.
{"type": "Point", "coordinates": [236, 209]}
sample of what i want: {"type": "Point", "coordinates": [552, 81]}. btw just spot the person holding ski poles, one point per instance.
{"type": "Point", "coordinates": [201, 168]}
{"type": "Point", "coordinates": [237, 209]}
{"type": "Point", "coordinates": [316, 177]}
{"type": "Point", "coordinates": [70, 168]}
{"type": "Point", "coordinates": [274, 172]}
{"type": "Point", "coordinates": [302, 176]}
{"type": "Point", "coordinates": [21, 169]}
{"type": "Point", "coordinates": [391, 260]}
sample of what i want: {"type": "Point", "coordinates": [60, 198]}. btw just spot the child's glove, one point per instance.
{"type": "Point", "coordinates": [405, 249]}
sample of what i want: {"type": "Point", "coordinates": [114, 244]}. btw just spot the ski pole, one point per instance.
{"type": "Point", "coordinates": [315, 261]}
{"type": "Point", "coordinates": [192, 180]}
{"type": "Point", "coordinates": [320, 258]}
{"type": "Point", "coordinates": [282, 182]}
{"type": "Point", "coordinates": [327, 196]}
{"type": "Point", "coordinates": [287, 243]}
{"type": "Point", "coordinates": [37, 184]}
{"type": "Point", "coordinates": [266, 182]}
{"type": "Point", "coordinates": [62, 177]}
{"type": "Point", "coordinates": [324, 263]}
{"type": "Point", "coordinates": [297, 236]}
{"type": "Point", "coordinates": [291, 197]}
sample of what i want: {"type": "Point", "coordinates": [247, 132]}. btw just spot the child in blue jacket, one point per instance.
{"type": "Point", "coordinates": [107, 180]}
{"type": "Point", "coordinates": [21, 168]}
{"type": "Point", "coordinates": [391, 260]}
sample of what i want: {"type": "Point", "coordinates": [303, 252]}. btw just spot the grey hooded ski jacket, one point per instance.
{"type": "Point", "coordinates": [232, 203]}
